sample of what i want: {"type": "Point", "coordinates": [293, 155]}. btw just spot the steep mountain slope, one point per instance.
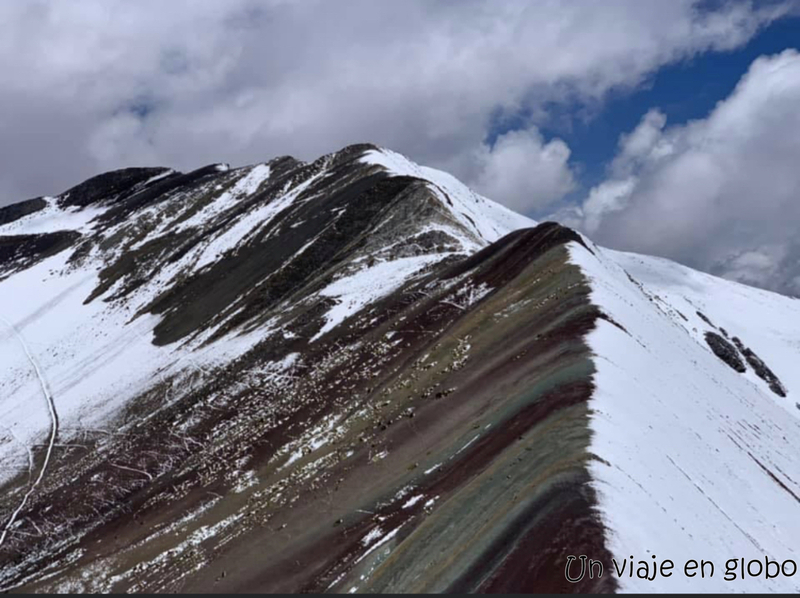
{"type": "Point", "coordinates": [700, 460]}
{"type": "Point", "coordinates": [358, 375]}
{"type": "Point", "coordinates": [190, 257]}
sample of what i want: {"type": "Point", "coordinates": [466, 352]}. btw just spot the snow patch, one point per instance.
{"type": "Point", "coordinates": [358, 290]}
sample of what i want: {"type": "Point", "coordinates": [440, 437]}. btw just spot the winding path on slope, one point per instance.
{"type": "Point", "coordinates": [53, 428]}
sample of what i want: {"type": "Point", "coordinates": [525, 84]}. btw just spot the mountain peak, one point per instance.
{"type": "Point", "coordinates": [335, 361]}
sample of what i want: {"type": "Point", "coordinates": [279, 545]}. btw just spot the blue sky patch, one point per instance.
{"type": "Point", "coordinates": [683, 91]}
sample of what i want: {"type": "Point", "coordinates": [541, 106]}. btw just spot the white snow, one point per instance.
{"type": "Point", "coordinates": [373, 535]}
{"type": "Point", "coordinates": [50, 219]}
{"type": "Point", "coordinates": [374, 540]}
{"type": "Point", "coordinates": [368, 285]}
{"type": "Point", "coordinates": [685, 435]}
{"type": "Point", "coordinates": [247, 185]}
{"type": "Point", "coordinates": [413, 500]}
{"type": "Point", "coordinates": [432, 468]}
{"type": "Point", "coordinates": [158, 177]}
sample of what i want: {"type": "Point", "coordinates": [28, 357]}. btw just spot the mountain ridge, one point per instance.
{"type": "Point", "coordinates": [364, 352]}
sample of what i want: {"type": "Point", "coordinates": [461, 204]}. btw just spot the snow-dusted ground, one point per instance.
{"type": "Point", "coordinates": [95, 357]}
{"type": "Point", "coordinates": [248, 184]}
{"type": "Point", "coordinates": [691, 445]}
{"type": "Point", "coordinates": [53, 415]}
{"type": "Point", "coordinates": [369, 284]}
{"type": "Point", "coordinates": [480, 222]}
{"type": "Point", "coordinates": [50, 219]}
{"type": "Point", "coordinates": [92, 358]}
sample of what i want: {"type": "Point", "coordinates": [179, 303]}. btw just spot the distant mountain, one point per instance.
{"type": "Point", "coordinates": [359, 375]}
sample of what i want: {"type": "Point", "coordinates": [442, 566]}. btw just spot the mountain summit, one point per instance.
{"type": "Point", "coordinates": [357, 374]}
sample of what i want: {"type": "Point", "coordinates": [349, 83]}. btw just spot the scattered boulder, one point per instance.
{"type": "Point", "coordinates": [725, 351]}
{"type": "Point", "coordinates": [761, 369]}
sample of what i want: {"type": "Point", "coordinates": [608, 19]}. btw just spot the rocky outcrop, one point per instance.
{"type": "Point", "coordinates": [761, 369]}
{"type": "Point", "coordinates": [732, 353]}
{"type": "Point", "coordinates": [725, 351]}
{"type": "Point", "coordinates": [21, 251]}
{"type": "Point", "coordinates": [109, 187]}
{"type": "Point", "coordinates": [14, 212]}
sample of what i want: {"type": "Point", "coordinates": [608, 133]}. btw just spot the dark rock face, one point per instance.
{"type": "Point", "coordinates": [520, 246]}
{"type": "Point", "coordinates": [110, 186]}
{"type": "Point", "coordinates": [725, 351]}
{"type": "Point", "coordinates": [761, 369]}
{"type": "Point", "coordinates": [191, 304]}
{"type": "Point", "coordinates": [732, 355]}
{"type": "Point", "coordinates": [140, 197]}
{"type": "Point", "coordinates": [23, 250]}
{"type": "Point", "coordinates": [19, 210]}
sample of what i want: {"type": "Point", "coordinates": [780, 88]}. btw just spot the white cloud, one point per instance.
{"type": "Point", "coordinates": [242, 81]}
{"type": "Point", "coordinates": [607, 197]}
{"type": "Point", "coordinates": [644, 143]}
{"type": "Point", "coordinates": [523, 171]}
{"type": "Point", "coordinates": [721, 193]}
{"type": "Point", "coordinates": [756, 267]}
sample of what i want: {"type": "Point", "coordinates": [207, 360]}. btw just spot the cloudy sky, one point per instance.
{"type": "Point", "coordinates": [667, 127]}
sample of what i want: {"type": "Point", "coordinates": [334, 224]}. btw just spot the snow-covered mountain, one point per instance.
{"type": "Point", "coordinates": [359, 375]}
{"type": "Point", "coordinates": [699, 454]}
